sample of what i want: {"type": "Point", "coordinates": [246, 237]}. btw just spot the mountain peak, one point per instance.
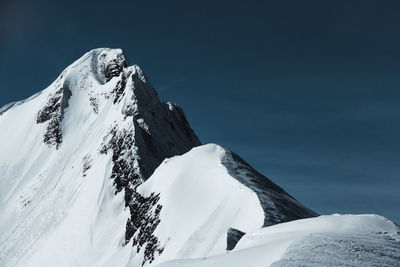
{"type": "Point", "coordinates": [102, 79]}
{"type": "Point", "coordinates": [99, 150]}
{"type": "Point", "coordinates": [98, 108]}
{"type": "Point", "coordinates": [108, 63]}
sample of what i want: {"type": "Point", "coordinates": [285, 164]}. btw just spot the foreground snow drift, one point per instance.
{"type": "Point", "coordinates": [334, 240]}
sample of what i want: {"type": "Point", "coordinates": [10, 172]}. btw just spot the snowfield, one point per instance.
{"type": "Point", "coordinates": [95, 170]}
{"type": "Point", "coordinates": [330, 240]}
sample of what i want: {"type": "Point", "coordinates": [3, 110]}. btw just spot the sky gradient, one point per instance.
{"type": "Point", "coordinates": [305, 91]}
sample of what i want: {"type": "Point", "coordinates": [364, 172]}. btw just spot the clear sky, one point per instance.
{"type": "Point", "coordinates": [306, 91]}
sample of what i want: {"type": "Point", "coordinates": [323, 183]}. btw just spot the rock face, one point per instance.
{"type": "Point", "coordinates": [53, 113]}
{"type": "Point", "coordinates": [278, 205]}
{"type": "Point", "coordinates": [98, 178]}
{"type": "Point", "coordinates": [234, 235]}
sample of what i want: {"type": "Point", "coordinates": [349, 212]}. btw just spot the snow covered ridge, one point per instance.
{"type": "Point", "coordinates": [95, 170]}
{"type": "Point", "coordinates": [333, 240]}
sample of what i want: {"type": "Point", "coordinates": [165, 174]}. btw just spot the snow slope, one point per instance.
{"type": "Point", "coordinates": [332, 240]}
{"type": "Point", "coordinates": [200, 203]}
{"type": "Point", "coordinates": [76, 176]}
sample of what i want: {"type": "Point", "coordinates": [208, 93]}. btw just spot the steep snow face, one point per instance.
{"type": "Point", "coordinates": [200, 201]}
{"type": "Point", "coordinates": [100, 119]}
{"type": "Point", "coordinates": [210, 192]}
{"type": "Point", "coordinates": [333, 240]}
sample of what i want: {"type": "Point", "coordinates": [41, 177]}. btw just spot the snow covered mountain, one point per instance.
{"type": "Point", "coordinates": [96, 171]}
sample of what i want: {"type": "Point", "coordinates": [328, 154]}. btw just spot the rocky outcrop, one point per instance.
{"type": "Point", "coordinates": [145, 217]}
{"type": "Point", "coordinates": [53, 113]}
{"type": "Point", "coordinates": [233, 237]}
{"type": "Point", "coordinates": [126, 174]}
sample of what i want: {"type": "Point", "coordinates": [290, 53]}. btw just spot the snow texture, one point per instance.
{"type": "Point", "coordinates": [332, 240]}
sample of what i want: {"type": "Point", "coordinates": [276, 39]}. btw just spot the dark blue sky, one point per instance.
{"type": "Point", "coordinates": [306, 91]}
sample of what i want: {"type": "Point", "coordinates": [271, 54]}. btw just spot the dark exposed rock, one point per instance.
{"type": "Point", "coordinates": [124, 173]}
{"type": "Point", "coordinates": [108, 63]}
{"type": "Point", "coordinates": [119, 90]}
{"type": "Point", "coordinates": [53, 113]}
{"type": "Point", "coordinates": [51, 109]}
{"type": "Point", "coordinates": [94, 104]}
{"type": "Point", "coordinates": [233, 237]}
{"type": "Point", "coordinates": [113, 69]}
{"type": "Point", "coordinates": [278, 205]}
{"type": "Point", "coordinates": [86, 164]}
{"type": "Point", "coordinates": [162, 130]}
{"type": "Point", "coordinates": [145, 217]}
{"type": "Point", "coordinates": [144, 211]}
